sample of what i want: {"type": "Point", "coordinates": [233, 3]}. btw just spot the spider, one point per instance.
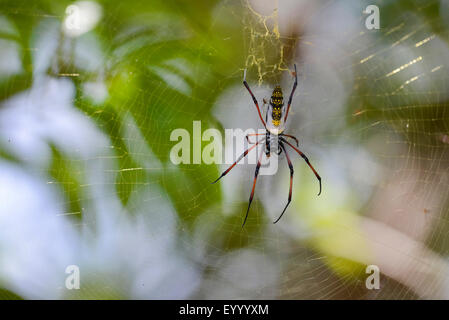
{"type": "Point", "coordinates": [274, 125]}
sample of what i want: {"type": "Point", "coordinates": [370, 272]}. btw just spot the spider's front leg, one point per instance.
{"type": "Point", "coordinates": [295, 84]}
{"type": "Point", "coordinates": [254, 99]}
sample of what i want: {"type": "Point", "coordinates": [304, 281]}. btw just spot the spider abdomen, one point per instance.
{"type": "Point", "coordinates": [276, 115]}
{"type": "Point", "coordinates": [277, 105]}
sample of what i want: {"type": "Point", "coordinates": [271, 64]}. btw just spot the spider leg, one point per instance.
{"type": "Point", "coordinates": [291, 95]}
{"type": "Point", "coordinates": [291, 181]}
{"type": "Point", "coordinates": [252, 135]}
{"type": "Point", "coordinates": [240, 158]}
{"type": "Point", "coordinates": [292, 137]}
{"type": "Point", "coordinates": [254, 99]}
{"type": "Point", "coordinates": [256, 173]}
{"type": "Point", "coordinates": [306, 160]}
{"type": "Point", "coordinates": [279, 151]}
{"type": "Point", "coordinates": [267, 144]}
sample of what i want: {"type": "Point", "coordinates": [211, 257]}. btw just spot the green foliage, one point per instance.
{"type": "Point", "coordinates": [146, 47]}
{"type": "Point", "coordinates": [67, 176]}
{"type": "Point", "coordinates": [8, 295]}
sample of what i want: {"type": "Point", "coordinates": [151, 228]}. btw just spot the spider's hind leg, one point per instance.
{"type": "Point", "coordinates": [291, 137]}
{"type": "Point", "coordinates": [243, 155]}
{"type": "Point", "coordinates": [290, 165]}
{"type": "Point", "coordinates": [306, 160]}
{"type": "Point", "coordinates": [256, 173]}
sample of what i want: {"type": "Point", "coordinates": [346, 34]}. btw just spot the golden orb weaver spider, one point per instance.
{"type": "Point", "coordinates": [274, 126]}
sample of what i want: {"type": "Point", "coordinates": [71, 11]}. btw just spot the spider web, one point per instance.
{"type": "Point", "coordinates": [369, 112]}
{"type": "Point", "coordinates": [399, 96]}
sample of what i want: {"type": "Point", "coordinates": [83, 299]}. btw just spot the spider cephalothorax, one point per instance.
{"type": "Point", "coordinates": [276, 105]}
{"type": "Point", "coordinates": [273, 131]}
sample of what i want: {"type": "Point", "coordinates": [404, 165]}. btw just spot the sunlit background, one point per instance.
{"type": "Point", "coordinates": [90, 92]}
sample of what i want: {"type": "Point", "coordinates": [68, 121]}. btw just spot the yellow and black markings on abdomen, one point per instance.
{"type": "Point", "coordinates": [277, 104]}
